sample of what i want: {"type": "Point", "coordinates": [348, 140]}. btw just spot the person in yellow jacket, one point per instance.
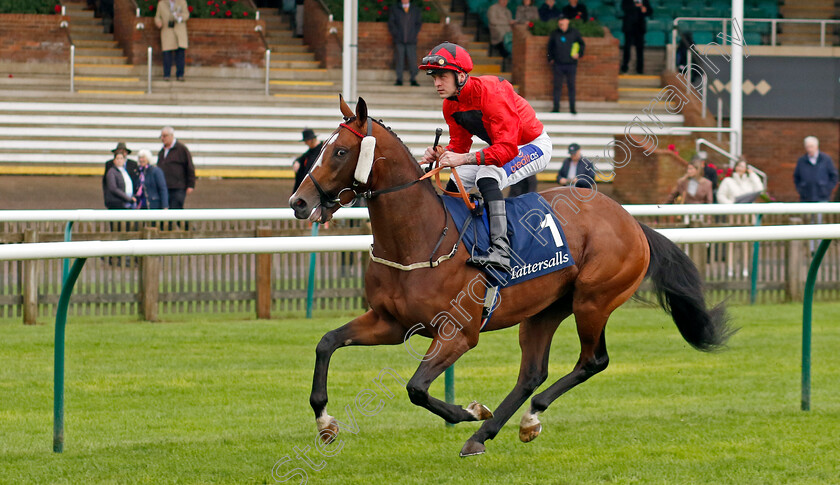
{"type": "Point", "coordinates": [171, 19]}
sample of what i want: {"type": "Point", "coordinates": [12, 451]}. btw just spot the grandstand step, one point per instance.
{"type": "Point", "coordinates": [79, 20]}
{"type": "Point", "coordinates": [306, 74]}
{"type": "Point", "coordinates": [105, 60]}
{"type": "Point", "coordinates": [83, 28]}
{"type": "Point", "coordinates": [283, 64]}
{"type": "Point", "coordinates": [292, 56]}
{"type": "Point", "coordinates": [104, 43]}
{"type": "Point", "coordinates": [638, 81]}
{"type": "Point", "coordinates": [109, 70]}
{"type": "Point", "coordinates": [100, 36]}
{"type": "Point", "coordinates": [287, 48]}
{"type": "Point", "coordinates": [98, 51]}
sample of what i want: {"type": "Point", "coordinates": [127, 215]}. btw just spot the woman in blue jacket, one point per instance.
{"type": "Point", "coordinates": [152, 192]}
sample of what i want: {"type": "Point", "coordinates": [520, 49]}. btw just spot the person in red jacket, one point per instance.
{"type": "Point", "coordinates": [486, 107]}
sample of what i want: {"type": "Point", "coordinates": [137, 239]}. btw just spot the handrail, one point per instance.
{"type": "Point", "coordinates": [734, 135]}
{"type": "Point", "coordinates": [773, 23]}
{"type": "Point", "coordinates": [257, 214]}
{"type": "Point", "coordinates": [65, 24]}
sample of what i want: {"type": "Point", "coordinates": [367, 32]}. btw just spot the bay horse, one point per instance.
{"type": "Point", "coordinates": [612, 251]}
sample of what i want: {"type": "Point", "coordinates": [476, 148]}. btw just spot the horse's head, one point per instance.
{"type": "Point", "coordinates": [343, 166]}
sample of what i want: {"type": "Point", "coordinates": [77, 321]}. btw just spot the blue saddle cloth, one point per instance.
{"type": "Point", "coordinates": [536, 237]}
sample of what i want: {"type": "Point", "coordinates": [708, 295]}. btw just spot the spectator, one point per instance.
{"type": "Point", "coordinates": [815, 175]}
{"type": "Point", "coordinates": [524, 186]}
{"type": "Point", "coordinates": [693, 187]}
{"type": "Point", "coordinates": [576, 170]}
{"type": "Point", "coordinates": [303, 164]}
{"type": "Point", "coordinates": [527, 12]}
{"type": "Point", "coordinates": [549, 11]}
{"type": "Point", "coordinates": [709, 170]}
{"type": "Point", "coordinates": [152, 192]}
{"type": "Point", "coordinates": [175, 160]}
{"type": "Point", "coordinates": [118, 186]}
{"type": "Point", "coordinates": [404, 23]}
{"type": "Point", "coordinates": [130, 165]}
{"type": "Point", "coordinates": [171, 18]}
{"type": "Point", "coordinates": [634, 27]}
{"type": "Point", "coordinates": [743, 186]}
{"type": "Point", "coordinates": [501, 21]}
{"type": "Point", "coordinates": [298, 18]}
{"type": "Point", "coordinates": [565, 47]}
{"type": "Point", "coordinates": [575, 10]}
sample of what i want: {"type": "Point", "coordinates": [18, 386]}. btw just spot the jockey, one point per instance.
{"type": "Point", "coordinates": [486, 107]}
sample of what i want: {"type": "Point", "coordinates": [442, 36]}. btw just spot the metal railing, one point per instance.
{"type": "Point", "coordinates": [774, 22]}
{"type": "Point", "coordinates": [64, 24]}
{"type": "Point", "coordinates": [259, 30]}
{"type": "Point", "coordinates": [141, 25]}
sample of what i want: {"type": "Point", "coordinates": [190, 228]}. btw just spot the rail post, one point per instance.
{"type": "Point", "coordinates": [795, 266]}
{"type": "Point", "coordinates": [263, 279]}
{"type": "Point", "coordinates": [807, 305]}
{"type": "Point", "coordinates": [58, 362]}
{"type": "Point", "coordinates": [150, 285]}
{"type": "Point", "coordinates": [30, 283]}
{"type": "Point", "coordinates": [310, 284]}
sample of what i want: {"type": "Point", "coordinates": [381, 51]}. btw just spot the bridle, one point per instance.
{"type": "Point", "coordinates": [328, 201]}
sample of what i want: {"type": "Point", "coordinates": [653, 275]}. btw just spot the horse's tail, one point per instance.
{"type": "Point", "coordinates": [679, 290]}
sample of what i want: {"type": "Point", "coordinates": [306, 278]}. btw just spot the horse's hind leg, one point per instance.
{"type": "Point", "coordinates": [367, 329]}
{"type": "Point", "coordinates": [593, 359]}
{"type": "Point", "coordinates": [535, 341]}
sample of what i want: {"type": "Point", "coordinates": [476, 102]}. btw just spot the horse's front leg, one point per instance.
{"type": "Point", "coordinates": [368, 329]}
{"type": "Point", "coordinates": [443, 352]}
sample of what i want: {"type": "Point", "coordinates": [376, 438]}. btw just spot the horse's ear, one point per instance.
{"type": "Point", "coordinates": [361, 111]}
{"type": "Point", "coordinates": [345, 109]}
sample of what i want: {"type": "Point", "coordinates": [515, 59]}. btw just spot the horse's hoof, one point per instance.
{"type": "Point", "coordinates": [479, 411]}
{"type": "Point", "coordinates": [327, 428]}
{"type": "Point", "coordinates": [529, 428]}
{"type": "Point", "coordinates": [472, 448]}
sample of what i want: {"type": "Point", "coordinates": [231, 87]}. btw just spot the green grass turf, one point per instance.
{"type": "Point", "coordinates": [221, 399]}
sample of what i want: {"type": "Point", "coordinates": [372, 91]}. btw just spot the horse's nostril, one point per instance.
{"type": "Point", "coordinates": [299, 204]}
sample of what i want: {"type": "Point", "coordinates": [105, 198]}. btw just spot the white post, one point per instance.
{"type": "Point", "coordinates": [72, 68]}
{"type": "Point", "coordinates": [703, 100]}
{"type": "Point", "coordinates": [267, 69]}
{"type": "Point", "coordinates": [149, 69]}
{"type": "Point", "coordinates": [720, 120]}
{"type": "Point", "coordinates": [137, 13]}
{"type": "Point", "coordinates": [350, 51]}
{"type": "Point", "coordinates": [736, 111]}
{"type": "Point", "coordinates": [822, 33]}
{"type": "Point", "coordinates": [63, 10]}
{"type": "Point", "coordinates": [773, 33]}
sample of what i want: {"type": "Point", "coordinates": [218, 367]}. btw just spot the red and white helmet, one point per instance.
{"type": "Point", "coordinates": [449, 57]}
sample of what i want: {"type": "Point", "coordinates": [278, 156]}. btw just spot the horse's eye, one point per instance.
{"type": "Point", "coordinates": [340, 152]}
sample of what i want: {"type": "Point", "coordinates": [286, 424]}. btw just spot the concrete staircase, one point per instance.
{"type": "Point", "coordinates": [807, 34]}
{"type": "Point", "coordinates": [101, 66]}
{"type": "Point", "coordinates": [295, 73]}
{"type": "Point", "coordinates": [237, 140]}
{"type": "Point", "coordinates": [637, 90]}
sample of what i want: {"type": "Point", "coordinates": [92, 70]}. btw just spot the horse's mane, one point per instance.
{"type": "Point", "coordinates": [389, 130]}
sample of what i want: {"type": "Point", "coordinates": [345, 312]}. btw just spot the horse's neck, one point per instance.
{"type": "Point", "coordinates": [406, 224]}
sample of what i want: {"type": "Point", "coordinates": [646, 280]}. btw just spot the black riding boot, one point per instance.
{"type": "Point", "coordinates": [498, 256]}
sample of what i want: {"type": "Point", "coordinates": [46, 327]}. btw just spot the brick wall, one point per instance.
{"type": "Point", "coordinates": [213, 42]}
{"type": "Point", "coordinates": [597, 74]}
{"type": "Point", "coordinates": [33, 38]}
{"type": "Point", "coordinates": [376, 48]}
{"type": "Point", "coordinates": [648, 179]}
{"type": "Point", "coordinates": [775, 145]}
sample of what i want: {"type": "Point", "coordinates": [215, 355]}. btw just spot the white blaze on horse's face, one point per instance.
{"type": "Point", "coordinates": [321, 155]}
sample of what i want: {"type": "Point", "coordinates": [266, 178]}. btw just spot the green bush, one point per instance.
{"type": "Point", "coordinates": [378, 10]}
{"type": "Point", "coordinates": [593, 28]}
{"type": "Point", "coordinates": [30, 6]}
{"type": "Point", "coordinates": [205, 9]}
